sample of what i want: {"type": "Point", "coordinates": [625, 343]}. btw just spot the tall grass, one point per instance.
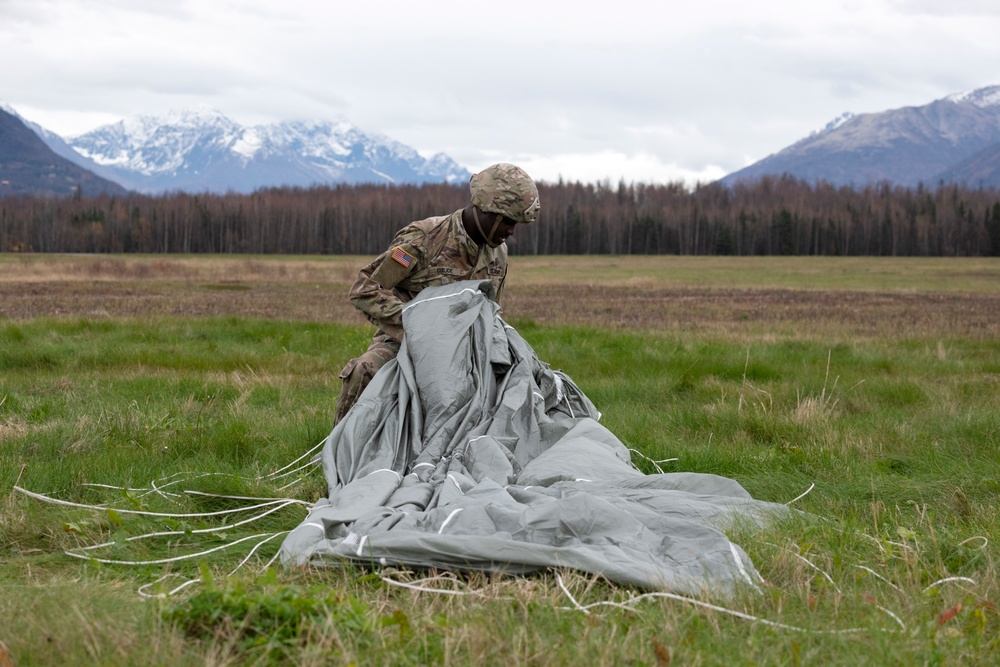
{"type": "Point", "coordinates": [892, 562]}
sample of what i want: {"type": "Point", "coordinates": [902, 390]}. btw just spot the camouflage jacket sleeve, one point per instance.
{"type": "Point", "coordinates": [376, 292]}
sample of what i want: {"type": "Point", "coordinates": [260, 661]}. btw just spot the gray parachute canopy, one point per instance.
{"type": "Point", "coordinates": [467, 452]}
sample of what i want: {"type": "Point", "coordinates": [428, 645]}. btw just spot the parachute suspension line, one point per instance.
{"type": "Point", "coordinates": [313, 449]}
{"type": "Point", "coordinates": [290, 484]}
{"type": "Point", "coordinates": [254, 550]}
{"type": "Point", "coordinates": [834, 584]}
{"type": "Point", "coordinates": [654, 462]}
{"type": "Point", "coordinates": [705, 605]}
{"type": "Point", "coordinates": [271, 562]}
{"type": "Point", "coordinates": [311, 464]}
{"type": "Point", "coordinates": [142, 590]}
{"type": "Point", "coordinates": [199, 531]}
{"type": "Point", "coordinates": [145, 587]}
{"type": "Point", "coordinates": [802, 495]}
{"type": "Point", "coordinates": [975, 537]}
{"type": "Point", "coordinates": [165, 496]}
{"type": "Point", "coordinates": [159, 561]}
{"type": "Point", "coordinates": [948, 580]}
{"type": "Point", "coordinates": [878, 576]}
{"type": "Point", "coordinates": [797, 553]}
{"type": "Point", "coordinates": [67, 503]}
{"type": "Point", "coordinates": [172, 480]}
{"type": "Point", "coordinates": [219, 495]}
{"type": "Point", "coordinates": [158, 487]}
{"type": "Point", "coordinates": [128, 489]}
{"type": "Point", "coordinates": [420, 587]}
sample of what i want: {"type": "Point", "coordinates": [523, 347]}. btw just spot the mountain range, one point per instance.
{"type": "Point", "coordinates": [955, 139]}
{"type": "Point", "coordinates": [201, 150]}
{"type": "Point", "coordinates": [29, 167]}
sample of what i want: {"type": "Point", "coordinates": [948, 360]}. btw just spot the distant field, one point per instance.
{"type": "Point", "coordinates": [816, 297]}
{"type": "Point", "coordinates": [872, 383]}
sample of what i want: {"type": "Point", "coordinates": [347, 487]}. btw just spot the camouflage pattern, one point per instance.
{"type": "Point", "coordinates": [359, 372]}
{"type": "Point", "coordinates": [439, 251]}
{"type": "Point", "coordinates": [442, 253]}
{"type": "Point", "coordinates": [506, 189]}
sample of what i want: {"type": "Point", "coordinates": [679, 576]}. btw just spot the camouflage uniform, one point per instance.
{"type": "Point", "coordinates": [435, 251]}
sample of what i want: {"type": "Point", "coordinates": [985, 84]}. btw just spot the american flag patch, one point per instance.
{"type": "Point", "coordinates": [402, 257]}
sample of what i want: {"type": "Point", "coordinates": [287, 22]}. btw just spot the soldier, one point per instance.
{"type": "Point", "coordinates": [466, 245]}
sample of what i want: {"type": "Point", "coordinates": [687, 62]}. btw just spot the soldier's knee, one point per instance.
{"type": "Point", "coordinates": [358, 373]}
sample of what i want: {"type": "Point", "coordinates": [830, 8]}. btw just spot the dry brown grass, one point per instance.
{"type": "Point", "coordinates": [734, 298]}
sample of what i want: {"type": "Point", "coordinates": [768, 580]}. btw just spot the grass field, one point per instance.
{"type": "Point", "coordinates": [873, 381]}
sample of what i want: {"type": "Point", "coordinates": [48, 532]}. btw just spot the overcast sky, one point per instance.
{"type": "Point", "coordinates": [646, 91]}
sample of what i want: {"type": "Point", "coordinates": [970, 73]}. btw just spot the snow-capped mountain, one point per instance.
{"type": "Point", "coordinates": [981, 97]}
{"type": "Point", "coordinates": [201, 150]}
{"type": "Point", "coordinates": [834, 124]}
{"type": "Point", "coordinates": [955, 139]}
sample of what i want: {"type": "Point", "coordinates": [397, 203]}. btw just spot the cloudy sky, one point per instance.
{"type": "Point", "coordinates": [641, 90]}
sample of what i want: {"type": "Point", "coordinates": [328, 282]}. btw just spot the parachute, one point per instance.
{"type": "Point", "coordinates": [467, 452]}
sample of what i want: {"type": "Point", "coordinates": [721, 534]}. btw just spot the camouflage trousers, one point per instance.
{"type": "Point", "coordinates": [359, 372]}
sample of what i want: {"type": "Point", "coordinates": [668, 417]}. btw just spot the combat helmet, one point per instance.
{"type": "Point", "coordinates": [505, 189]}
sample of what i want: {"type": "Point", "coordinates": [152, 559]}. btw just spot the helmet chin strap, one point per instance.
{"type": "Point", "coordinates": [487, 237]}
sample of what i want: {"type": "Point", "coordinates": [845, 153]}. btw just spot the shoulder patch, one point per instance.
{"type": "Point", "coordinates": [395, 265]}
{"type": "Point", "coordinates": [402, 257]}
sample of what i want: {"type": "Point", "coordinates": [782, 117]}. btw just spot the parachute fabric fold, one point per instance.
{"type": "Point", "coordinates": [468, 452]}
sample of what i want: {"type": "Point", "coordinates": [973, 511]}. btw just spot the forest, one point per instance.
{"type": "Point", "coordinates": [772, 216]}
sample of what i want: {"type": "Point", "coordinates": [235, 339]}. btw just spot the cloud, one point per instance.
{"type": "Point", "coordinates": [636, 88]}
{"type": "Point", "coordinates": [950, 8]}
{"type": "Point", "coordinates": [611, 167]}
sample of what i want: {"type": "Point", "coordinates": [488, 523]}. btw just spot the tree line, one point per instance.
{"type": "Point", "coordinates": [772, 216]}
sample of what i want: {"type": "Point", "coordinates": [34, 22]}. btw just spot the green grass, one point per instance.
{"type": "Point", "coordinates": [899, 438]}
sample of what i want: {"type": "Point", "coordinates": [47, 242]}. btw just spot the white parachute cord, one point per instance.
{"type": "Point", "coordinates": [830, 579]}
{"type": "Point", "coordinates": [879, 576]}
{"type": "Point", "coordinates": [655, 463]}
{"type": "Point", "coordinates": [877, 541]}
{"type": "Point", "coordinates": [904, 546]}
{"type": "Point", "coordinates": [698, 603]}
{"type": "Point", "coordinates": [283, 468]}
{"type": "Point", "coordinates": [172, 475]}
{"type": "Point", "coordinates": [178, 589]}
{"type": "Point", "coordinates": [252, 551]}
{"type": "Point", "coordinates": [142, 589]}
{"type": "Point", "coordinates": [806, 561]}
{"type": "Point", "coordinates": [424, 589]}
{"type": "Point", "coordinates": [315, 463]}
{"type": "Point", "coordinates": [893, 616]}
{"type": "Point", "coordinates": [271, 562]}
{"type": "Point", "coordinates": [67, 503]}
{"type": "Point", "coordinates": [163, 494]}
{"type": "Point", "coordinates": [184, 477]}
{"type": "Point", "coordinates": [160, 561]}
{"type": "Point", "coordinates": [192, 476]}
{"type": "Point", "coordinates": [815, 567]}
{"type": "Point", "coordinates": [290, 484]}
{"type": "Point", "coordinates": [123, 488]}
{"type": "Point", "coordinates": [576, 605]}
{"type": "Point", "coordinates": [166, 496]}
{"type": "Point", "coordinates": [975, 537]}
{"type": "Point", "coordinates": [419, 587]}
{"type": "Point", "coordinates": [199, 531]}
{"type": "Point", "coordinates": [947, 580]}
{"type": "Point", "coordinates": [802, 495]}
{"type": "Point", "coordinates": [219, 495]}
